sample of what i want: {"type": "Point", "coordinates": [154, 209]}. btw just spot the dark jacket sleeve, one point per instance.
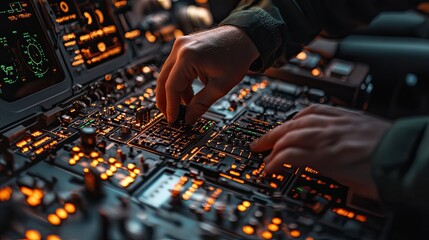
{"type": "Point", "coordinates": [283, 26]}
{"type": "Point", "coordinates": [401, 165]}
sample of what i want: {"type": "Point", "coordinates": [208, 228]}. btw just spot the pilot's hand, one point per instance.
{"type": "Point", "coordinates": [219, 57]}
{"type": "Point", "coordinates": [338, 143]}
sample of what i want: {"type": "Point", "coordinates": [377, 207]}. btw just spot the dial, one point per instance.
{"type": "Point", "coordinates": [34, 55]}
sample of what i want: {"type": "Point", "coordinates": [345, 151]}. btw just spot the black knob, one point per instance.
{"type": "Point", "coordinates": [93, 185]}
{"type": "Point", "coordinates": [88, 138]}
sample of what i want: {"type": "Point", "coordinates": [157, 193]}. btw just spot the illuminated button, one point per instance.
{"type": "Point", "coordinates": [53, 237]}
{"type": "Point", "coordinates": [277, 220]}
{"type": "Point", "coordinates": [186, 197]}
{"type": "Point", "coordinates": [211, 201]}
{"type": "Point", "coordinates": [109, 173]}
{"type": "Point", "coordinates": [146, 69]}
{"type": "Point", "coordinates": [61, 213]}
{"type": "Point", "coordinates": [301, 56]}
{"type": "Point", "coordinates": [266, 235]}
{"type": "Point", "coordinates": [246, 204]}
{"type": "Point", "coordinates": [33, 202]}
{"type": "Point", "coordinates": [33, 235]}
{"type": "Point", "coordinates": [70, 208]}
{"type": "Point", "coordinates": [131, 165]}
{"type": "Point", "coordinates": [94, 155]}
{"type": "Point", "coordinates": [104, 176]}
{"type": "Point", "coordinates": [76, 149]}
{"type": "Point", "coordinates": [101, 46]}
{"type": "Point", "coordinates": [295, 233]}
{"type": "Point", "coordinates": [273, 227]}
{"type": "Point", "coordinates": [94, 163]}
{"type": "Point", "coordinates": [241, 208]}
{"type": "Point", "coordinates": [54, 219]}
{"type": "Point", "coordinates": [37, 193]}
{"type": "Point", "coordinates": [72, 161]}
{"type": "Point", "coordinates": [316, 72]}
{"type": "Point", "coordinates": [249, 230]}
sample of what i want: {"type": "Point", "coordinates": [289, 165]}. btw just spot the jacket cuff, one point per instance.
{"type": "Point", "coordinates": [401, 162]}
{"type": "Point", "coordinates": [265, 32]}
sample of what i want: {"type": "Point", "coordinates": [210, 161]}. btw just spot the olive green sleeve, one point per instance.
{"type": "Point", "coordinates": [264, 24]}
{"type": "Point", "coordinates": [401, 164]}
{"type": "Point", "coordinates": [283, 27]}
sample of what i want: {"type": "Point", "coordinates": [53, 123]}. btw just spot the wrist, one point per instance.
{"type": "Point", "coordinates": [244, 42]}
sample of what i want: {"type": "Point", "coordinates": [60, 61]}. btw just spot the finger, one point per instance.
{"type": "Point", "coordinates": [182, 75]}
{"type": "Point", "coordinates": [305, 138]}
{"type": "Point", "coordinates": [320, 109]}
{"type": "Point", "coordinates": [160, 85]}
{"type": "Point", "coordinates": [267, 141]}
{"type": "Point", "coordinates": [297, 157]}
{"type": "Point", "coordinates": [201, 103]}
{"type": "Point", "coordinates": [187, 95]}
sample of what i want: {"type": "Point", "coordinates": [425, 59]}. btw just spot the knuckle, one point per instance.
{"type": "Point", "coordinates": [181, 41]}
{"type": "Point", "coordinates": [187, 51]}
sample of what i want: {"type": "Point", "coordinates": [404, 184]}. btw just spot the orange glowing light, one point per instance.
{"type": "Point", "coordinates": [266, 235]}
{"type": "Point", "coordinates": [33, 235]}
{"type": "Point", "coordinates": [276, 220]}
{"type": "Point", "coordinates": [131, 165]}
{"type": "Point", "coordinates": [54, 219]}
{"type": "Point", "coordinates": [316, 72]}
{"type": "Point", "coordinates": [72, 162]}
{"type": "Point", "coordinates": [61, 213]}
{"type": "Point", "coordinates": [295, 233]}
{"type": "Point", "coordinates": [53, 237]}
{"type": "Point", "coordinates": [186, 197]}
{"type": "Point", "coordinates": [5, 193]}
{"type": "Point", "coordinates": [76, 149]}
{"type": "Point", "coordinates": [146, 69]}
{"type": "Point", "coordinates": [246, 204]}
{"type": "Point", "coordinates": [361, 218]}
{"type": "Point", "coordinates": [104, 176]}
{"type": "Point", "coordinates": [273, 227]}
{"type": "Point", "coordinates": [249, 230]}
{"type": "Point", "coordinates": [70, 208]}
{"type": "Point", "coordinates": [33, 202]}
{"type": "Point", "coordinates": [241, 208]}
{"type": "Point", "coordinates": [94, 155]}
{"type": "Point", "coordinates": [109, 173]}
{"type": "Point", "coordinates": [301, 56]}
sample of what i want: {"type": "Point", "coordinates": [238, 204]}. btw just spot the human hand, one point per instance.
{"type": "Point", "coordinates": [219, 57]}
{"type": "Point", "coordinates": [336, 142]}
